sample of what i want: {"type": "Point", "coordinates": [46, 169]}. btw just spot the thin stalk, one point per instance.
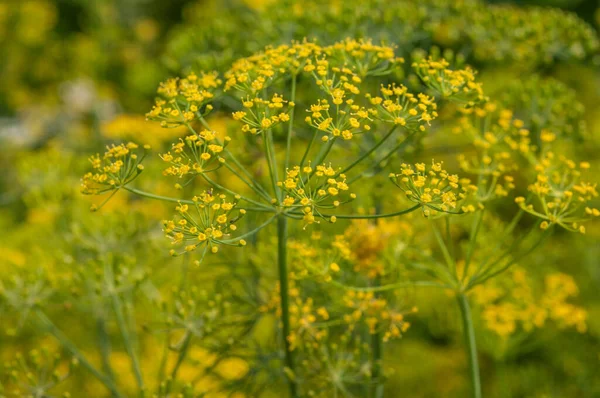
{"type": "Point", "coordinates": [182, 354]}
{"type": "Point", "coordinates": [472, 239]}
{"type": "Point", "coordinates": [122, 324]}
{"type": "Point", "coordinates": [149, 195]}
{"type": "Point", "coordinates": [370, 151]}
{"type": "Point", "coordinates": [105, 347]}
{"type": "Point", "coordinates": [447, 257]}
{"type": "Point", "coordinates": [308, 148]}
{"type": "Point", "coordinates": [229, 191]}
{"type": "Point", "coordinates": [369, 216]}
{"type": "Point", "coordinates": [323, 152]}
{"type": "Point", "coordinates": [391, 286]}
{"type": "Point", "coordinates": [251, 184]}
{"type": "Point", "coordinates": [377, 358]}
{"type": "Point", "coordinates": [231, 156]}
{"type": "Point", "coordinates": [288, 146]}
{"type": "Point", "coordinates": [376, 164]}
{"type": "Point", "coordinates": [282, 228]}
{"type": "Point", "coordinates": [271, 162]}
{"type": "Point", "coordinates": [69, 346]}
{"type": "Point", "coordinates": [471, 345]}
{"type": "Point", "coordinates": [487, 275]}
{"type": "Point", "coordinates": [127, 340]}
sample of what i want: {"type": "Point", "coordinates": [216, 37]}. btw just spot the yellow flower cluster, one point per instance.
{"type": "Point", "coordinates": [368, 240]}
{"type": "Point", "coordinates": [261, 115]}
{"type": "Point", "coordinates": [312, 189]}
{"type": "Point", "coordinates": [458, 85]}
{"type": "Point", "coordinates": [562, 196]}
{"type": "Point", "coordinates": [363, 57]}
{"type": "Point", "coordinates": [501, 145]}
{"type": "Point", "coordinates": [196, 154]}
{"type": "Point", "coordinates": [117, 167]}
{"type": "Point", "coordinates": [184, 100]}
{"type": "Point", "coordinates": [375, 312]}
{"type": "Point", "coordinates": [304, 320]}
{"type": "Point", "coordinates": [255, 73]}
{"type": "Point", "coordinates": [211, 225]}
{"type": "Point", "coordinates": [433, 188]}
{"type": "Point", "coordinates": [510, 303]}
{"type": "Point", "coordinates": [342, 65]}
{"type": "Point", "coordinates": [345, 122]}
{"type": "Point", "coordinates": [399, 107]}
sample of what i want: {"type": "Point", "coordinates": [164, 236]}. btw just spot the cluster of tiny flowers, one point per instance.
{"type": "Point", "coordinates": [376, 313]}
{"type": "Point", "coordinates": [368, 240]}
{"type": "Point", "coordinates": [304, 318]}
{"type": "Point", "coordinates": [261, 115]}
{"type": "Point", "coordinates": [513, 302]}
{"type": "Point", "coordinates": [460, 84]}
{"type": "Point", "coordinates": [433, 188]}
{"type": "Point", "coordinates": [184, 99]}
{"type": "Point", "coordinates": [399, 107]}
{"type": "Point", "coordinates": [211, 225]}
{"type": "Point", "coordinates": [312, 189]}
{"type": "Point", "coordinates": [363, 57]}
{"type": "Point", "coordinates": [562, 196]}
{"type": "Point", "coordinates": [118, 166]}
{"type": "Point", "coordinates": [255, 73]}
{"type": "Point", "coordinates": [344, 122]}
{"type": "Point", "coordinates": [202, 154]}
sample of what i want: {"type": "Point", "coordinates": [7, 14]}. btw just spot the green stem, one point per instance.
{"type": "Point", "coordinates": [69, 346]}
{"type": "Point", "coordinates": [472, 241]}
{"type": "Point", "coordinates": [369, 216]}
{"type": "Point", "coordinates": [392, 286]}
{"type": "Point", "coordinates": [469, 333]}
{"type": "Point", "coordinates": [270, 161]}
{"type": "Point", "coordinates": [122, 324]}
{"type": "Point", "coordinates": [377, 385]}
{"type": "Point", "coordinates": [370, 151]}
{"type": "Point", "coordinates": [446, 253]}
{"type": "Point", "coordinates": [127, 340]}
{"type": "Point", "coordinates": [149, 195]}
{"type": "Point", "coordinates": [282, 228]}
{"type": "Point", "coordinates": [290, 126]}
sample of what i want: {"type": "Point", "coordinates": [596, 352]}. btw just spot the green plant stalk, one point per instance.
{"type": "Point", "coordinates": [471, 345]}
{"type": "Point", "coordinates": [282, 228]}
{"type": "Point", "coordinates": [69, 346]}
{"type": "Point", "coordinates": [105, 346]}
{"type": "Point", "coordinates": [377, 357]}
{"type": "Point", "coordinates": [127, 340]}
{"type": "Point", "coordinates": [288, 146]}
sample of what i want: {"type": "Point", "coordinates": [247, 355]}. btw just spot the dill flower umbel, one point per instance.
{"type": "Point", "coordinates": [516, 303]}
{"type": "Point", "coordinates": [211, 225]}
{"type": "Point", "coordinates": [433, 188]}
{"type": "Point", "coordinates": [399, 107]}
{"type": "Point", "coordinates": [460, 84]}
{"type": "Point", "coordinates": [312, 190]}
{"type": "Point", "coordinates": [196, 154]}
{"type": "Point", "coordinates": [184, 100]}
{"type": "Point", "coordinates": [263, 114]}
{"type": "Point", "coordinates": [119, 165]}
{"type": "Point", "coordinates": [561, 195]}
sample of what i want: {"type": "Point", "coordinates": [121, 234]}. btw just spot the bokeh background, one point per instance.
{"type": "Point", "coordinates": [77, 74]}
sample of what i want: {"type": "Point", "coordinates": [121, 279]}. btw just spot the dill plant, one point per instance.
{"type": "Point", "coordinates": [348, 102]}
{"type": "Point", "coordinates": [449, 240]}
